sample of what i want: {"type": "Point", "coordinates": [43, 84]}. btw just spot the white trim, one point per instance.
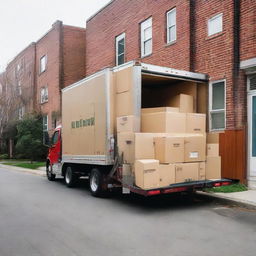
{"type": "Point", "coordinates": [86, 159]}
{"type": "Point", "coordinates": [174, 25]}
{"type": "Point", "coordinates": [47, 123]}
{"type": "Point", "coordinates": [250, 63]}
{"type": "Point", "coordinates": [217, 110]}
{"type": "Point", "coordinates": [146, 24]}
{"type": "Point", "coordinates": [119, 38]}
{"type": "Point", "coordinates": [210, 33]}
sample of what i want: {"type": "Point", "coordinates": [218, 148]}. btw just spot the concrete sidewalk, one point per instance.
{"type": "Point", "coordinates": [244, 198]}
{"type": "Point", "coordinates": [40, 171]}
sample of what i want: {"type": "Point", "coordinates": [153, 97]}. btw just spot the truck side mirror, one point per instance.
{"type": "Point", "coordinates": [46, 139]}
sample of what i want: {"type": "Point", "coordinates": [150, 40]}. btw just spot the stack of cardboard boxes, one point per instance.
{"type": "Point", "coordinates": [170, 146]}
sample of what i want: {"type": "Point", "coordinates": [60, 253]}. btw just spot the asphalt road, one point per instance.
{"type": "Point", "coordinates": [38, 217]}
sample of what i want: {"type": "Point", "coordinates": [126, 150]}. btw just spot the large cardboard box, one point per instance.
{"type": "Point", "coordinates": [159, 109]}
{"type": "Point", "coordinates": [184, 102]}
{"type": "Point", "coordinates": [195, 147]}
{"type": "Point", "coordinates": [166, 174]}
{"type": "Point", "coordinates": [213, 167]}
{"type": "Point", "coordinates": [169, 149]}
{"type": "Point", "coordinates": [147, 173]}
{"type": "Point", "coordinates": [163, 122]}
{"type": "Point", "coordinates": [201, 171]}
{"type": "Point", "coordinates": [128, 124]}
{"type": "Point", "coordinates": [136, 145]}
{"type": "Point", "coordinates": [195, 123]}
{"type": "Point", "coordinates": [212, 149]}
{"type": "Point", "coordinates": [212, 137]}
{"type": "Point", "coordinates": [186, 172]}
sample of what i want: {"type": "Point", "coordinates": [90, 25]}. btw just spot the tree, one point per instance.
{"type": "Point", "coordinates": [30, 138]}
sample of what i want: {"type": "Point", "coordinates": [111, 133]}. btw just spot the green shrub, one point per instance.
{"type": "Point", "coordinates": [4, 156]}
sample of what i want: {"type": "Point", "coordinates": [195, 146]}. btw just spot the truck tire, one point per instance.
{"type": "Point", "coordinates": [49, 174]}
{"type": "Point", "coordinates": [96, 183]}
{"type": "Point", "coordinates": [70, 177]}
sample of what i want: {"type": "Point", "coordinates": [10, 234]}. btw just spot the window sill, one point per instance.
{"type": "Point", "coordinates": [171, 43]}
{"type": "Point", "coordinates": [40, 73]}
{"type": "Point", "coordinates": [42, 103]}
{"type": "Point", "coordinates": [215, 35]}
{"type": "Point", "coordinates": [145, 56]}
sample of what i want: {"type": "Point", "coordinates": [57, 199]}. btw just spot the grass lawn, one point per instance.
{"type": "Point", "coordinates": [228, 189]}
{"type": "Point", "coordinates": [25, 164]}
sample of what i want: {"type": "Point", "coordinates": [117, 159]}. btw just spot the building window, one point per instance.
{"type": "Point", "coordinates": [146, 37]}
{"type": "Point", "coordinates": [215, 24]}
{"type": "Point", "coordinates": [217, 105]}
{"type": "Point", "coordinates": [44, 95]}
{"type": "Point", "coordinates": [43, 61]}
{"type": "Point", "coordinates": [120, 49]}
{"type": "Point", "coordinates": [19, 88]}
{"type": "Point", "coordinates": [171, 26]}
{"type": "Point", "coordinates": [45, 123]}
{"type": "Point", "coordinates": [21, 112]}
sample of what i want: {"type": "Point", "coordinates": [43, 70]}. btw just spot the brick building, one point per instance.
{"type": "Point", "coordinates": [212, 37]}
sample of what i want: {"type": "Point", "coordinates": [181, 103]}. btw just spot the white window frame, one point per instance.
{"type": "Point", "coordinates": [210, 33]}
{"type": "Point", "coordinates": [43, 64]}
{"type": "Point", "coordinates": [44, 95]}
{"type": "Point", "coordinates": [173, 25]}
{"type": "Point", "coordinates": [143, 26]}
{"type": "Point", "coordinates": [19, 88]}
{"type": "Point", "coordinates": [47, 124]}
{"type": "Point", "coordinates": [21, 112]}
{"type": "Point", "coordinates": [119, 38]}
{"type": "Point", "coordinates": [218, 110]}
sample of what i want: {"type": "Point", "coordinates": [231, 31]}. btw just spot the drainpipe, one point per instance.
{"type": "Point", "coordinates": [192, 7]}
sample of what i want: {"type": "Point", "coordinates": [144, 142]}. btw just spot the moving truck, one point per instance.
{"type": "Point", "coordinates": [112, 120]}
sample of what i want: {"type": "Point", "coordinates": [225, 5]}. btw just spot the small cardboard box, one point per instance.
{"type": "Point", "coordinates": [136, 145]}
{"type": "Point", "coordinates": [159, 109]}
{"type": "Point", "coordinates": [195, 147]}
{"type": "Point", "coordinates": [166, 174]}
{"type": "Point", "coordinates": [163, 122]}
{"type": "Point", "coordinates": [201, 175]}
{"type": "Point", "coordinates": [213, 167]}
{"type": "Point", "coordinates": [212, 149]}
{"type": "Point", "coordinates": [186, 172]}
{"type": "Point", "coordinates": [128, 124]}
{"type": "Point", "coordinates": [169, 149]}
{"type": "Point", "coordinates": [184, 102]}
{"type": "Point", "coordinates": [147, 173]}
{"type": "Point", "coordinates": [212, 137]}
{"type": "Point", "coordinates": [195, 123]}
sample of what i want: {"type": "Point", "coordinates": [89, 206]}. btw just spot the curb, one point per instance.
{"type": "Point", "coordinates": [230, 201]}
{"type": "Point", "coordinates": [24, 170]}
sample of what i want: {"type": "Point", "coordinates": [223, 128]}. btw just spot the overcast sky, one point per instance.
{"type": "Point", "coordinates": [25, 21]}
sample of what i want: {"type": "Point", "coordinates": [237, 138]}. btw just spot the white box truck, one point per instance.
{"type": "Point", "coordinates": [86, 142]}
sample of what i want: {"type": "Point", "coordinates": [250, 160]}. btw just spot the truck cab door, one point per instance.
{"type": "Point", "coordinates": [55, 149]}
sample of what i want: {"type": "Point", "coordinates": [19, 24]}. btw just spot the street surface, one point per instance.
{"type": "Point", "coordinates": [43, 218]}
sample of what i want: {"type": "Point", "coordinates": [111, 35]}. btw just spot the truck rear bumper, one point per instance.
{"type": "Point", "coordinates": [180, 187]}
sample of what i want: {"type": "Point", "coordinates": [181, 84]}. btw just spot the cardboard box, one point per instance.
{"type": "Point", "coordinates": [201, 174]}
{"type": "Point", "coordinates": [136, 145]}
{"type": "Point", "coordinates": [195, 147]}
{"type": "Point", "coordinates": [184, 102]}
{"type": "Point", "coordinates": [212, 149]}
{"type": "Point", "coordinates": [166, 174]}
{"type": "Point", "coordinates": [147, 173]}
{"type": "Point", "coordinates": [128, 124]}
{"type": "Point", "coordinates": [213, 167]}
{"type": "Point", "coordinates": [186, 172]}
{"type": "Point", "coordinates": [163, 122]}
{"type": "Point", "coordinates": [195, 123]}
{"type": "Point", "coordinates": [169, 149]}
{"type": "Point", "coordinates": [212, 137]}
{"type": "Point", "coordinates": [159, 109]}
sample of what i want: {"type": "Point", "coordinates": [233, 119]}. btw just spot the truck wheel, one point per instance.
{"type": "Point", "coordinates": [70, 177]}
{"type": "Point", "coordinates": [49, 174]}
{"type": "Point", "coordinates": [96, 183]}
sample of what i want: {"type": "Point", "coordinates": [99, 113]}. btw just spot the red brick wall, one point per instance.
{"type": "Point", "coordinates": [49, 45]}
{"type": "Point", "coordinates": [126, 16]}
{"type": "Point", "coordinates": [73, 54]}
{"type": "Point", "coordinates": [248, 29]}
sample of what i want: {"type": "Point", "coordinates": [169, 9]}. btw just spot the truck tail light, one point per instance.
{"type": "Point", "coordinates": [153, 192]}
{"type": "Point", "coordinates": [217, 184]}
{"type": "Point", "coordinates": [225, 183]}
